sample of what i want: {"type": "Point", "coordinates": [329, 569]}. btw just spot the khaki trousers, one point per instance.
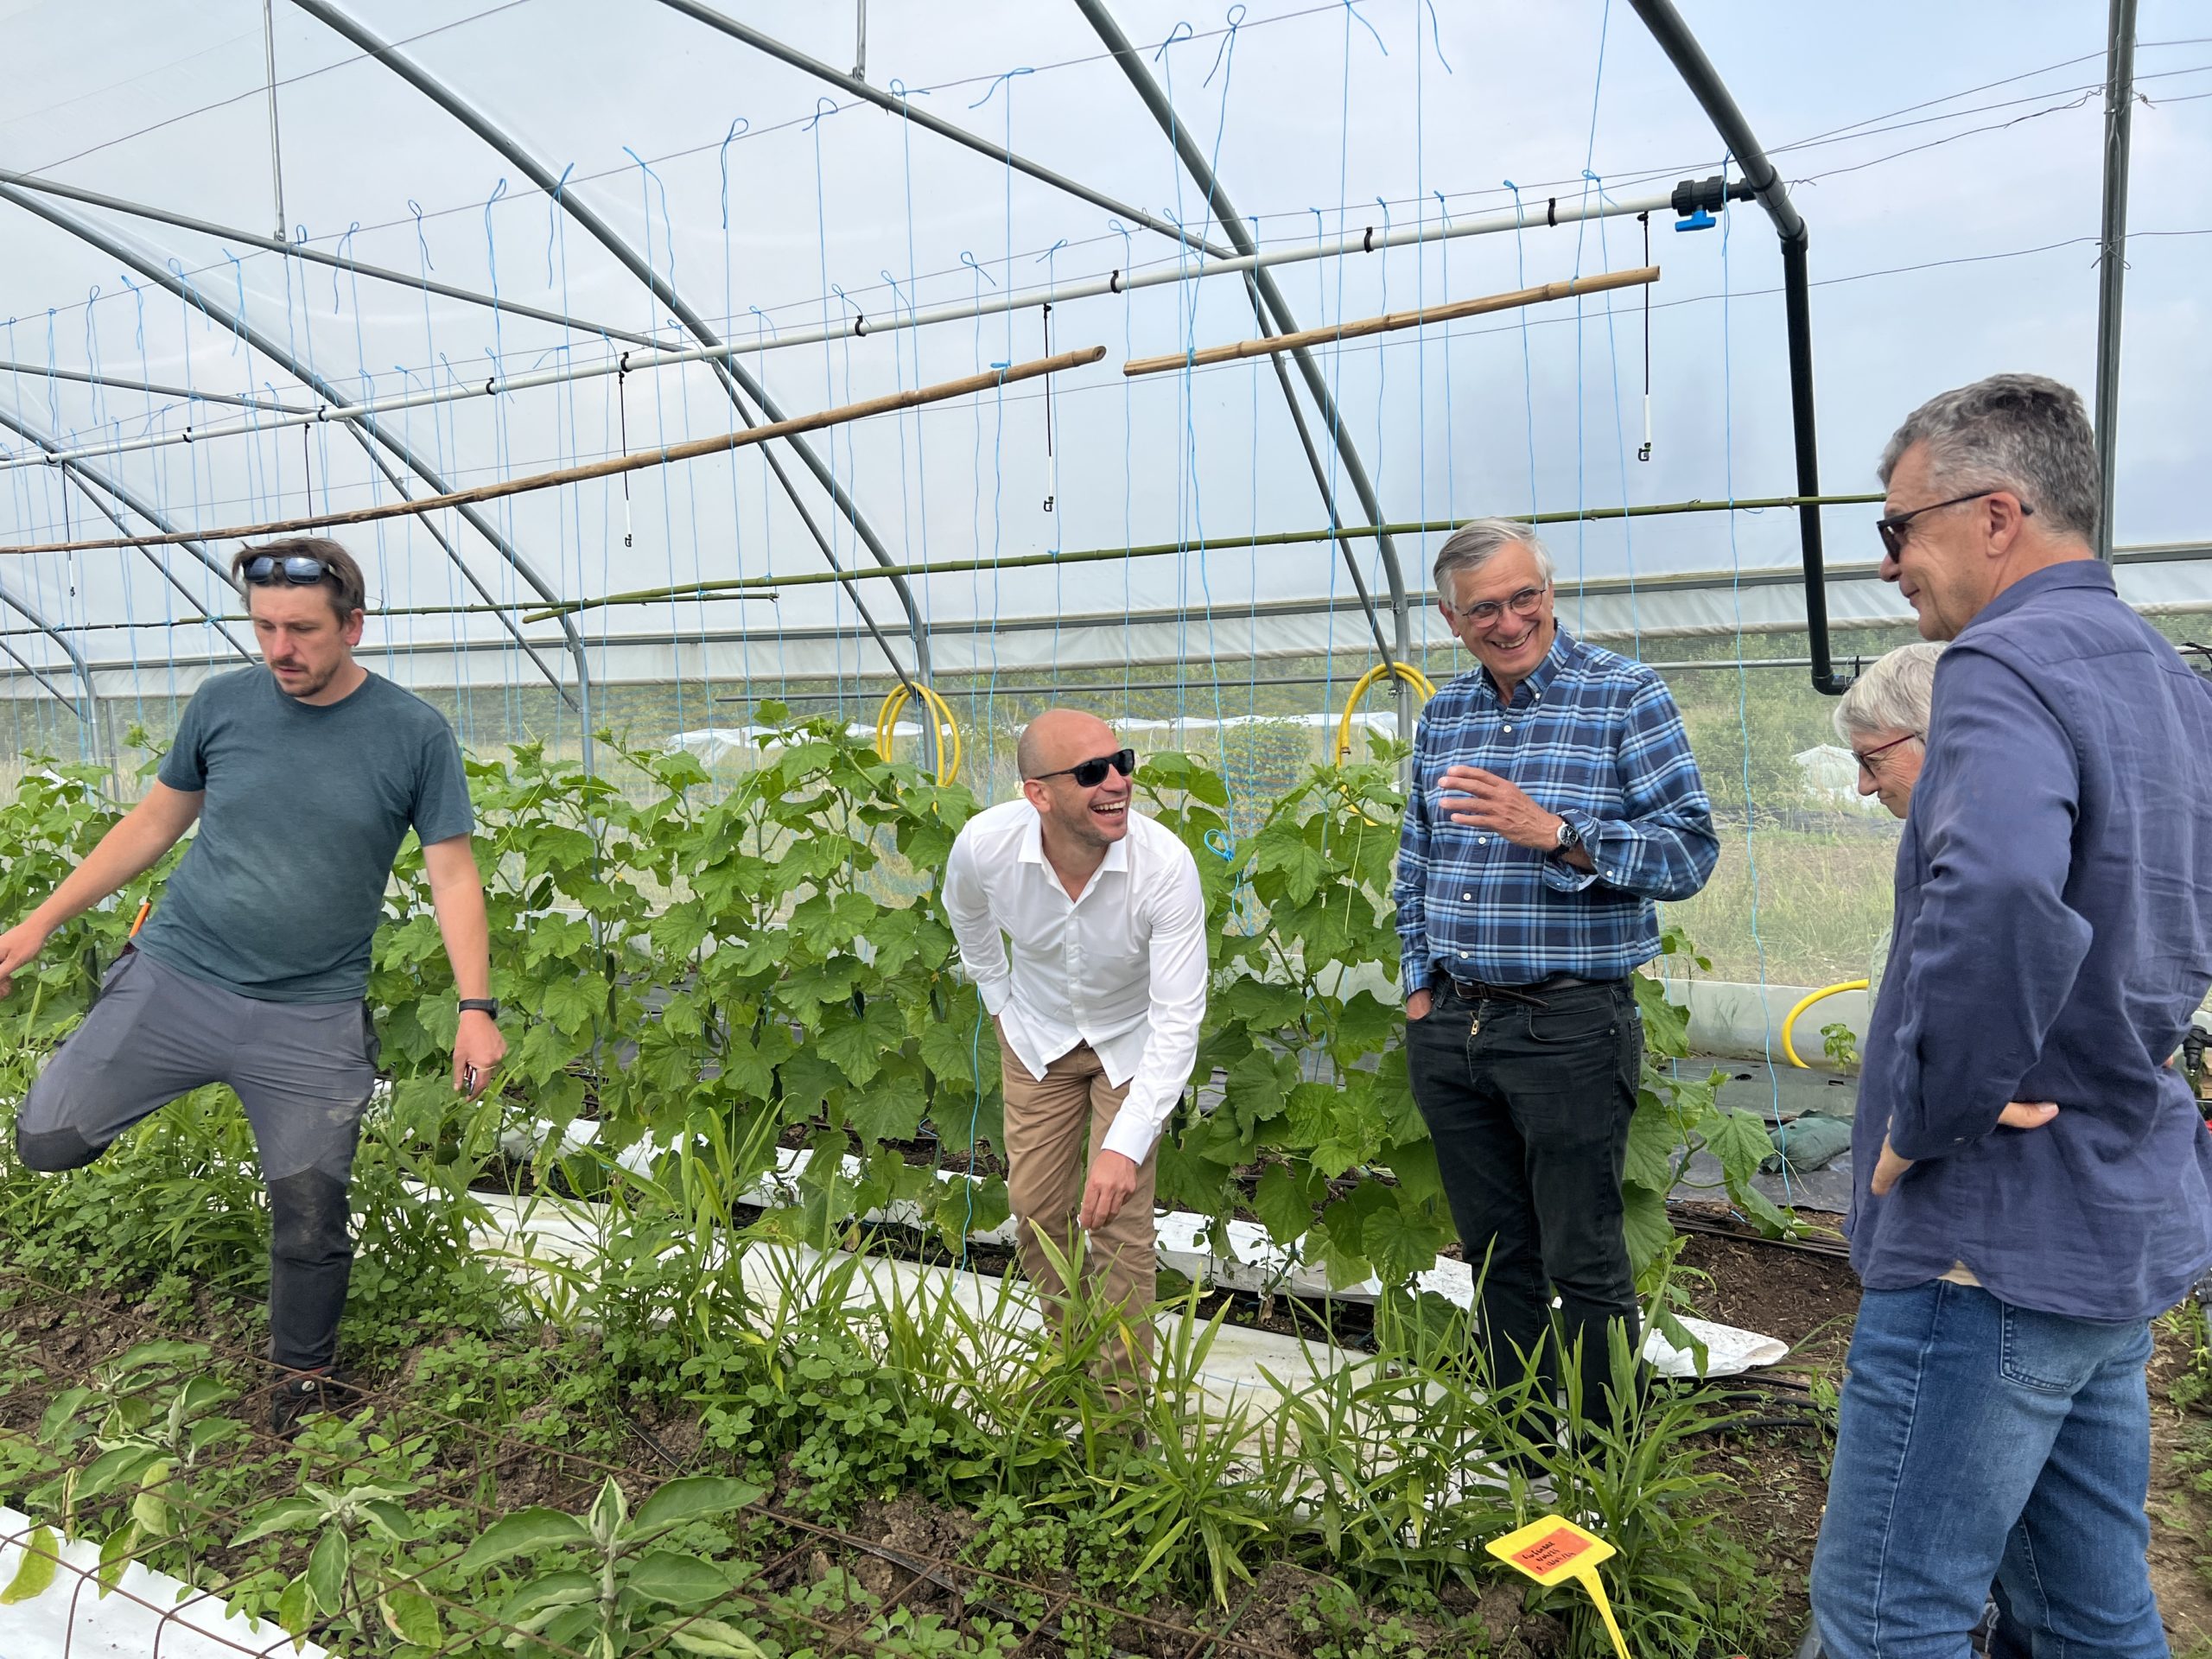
{"type": "Point", "coordinates": [1053, 1128]}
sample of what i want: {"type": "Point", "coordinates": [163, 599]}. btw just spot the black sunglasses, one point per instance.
{"type": "Point", "coordinates": [1092, 772]}
{"type": "Point", "coordinates": [299, 570]}
{"type": "Point", "coordinates": [1895, 535]}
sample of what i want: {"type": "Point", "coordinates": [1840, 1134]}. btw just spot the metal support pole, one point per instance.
{"type": "Point", "coordinates": [1704, 84]}
{"type": "Point", "coordinates": [1268, 303]}
{"type": "Point", "coordinates": [276, 146]}
{"type": "Point", "coordinates": [122, 383]}
{"type": "Point", "coordinates": [85, 477]}
{"type": "Point", "coordinates": [2112, 257]}
{"type": "Point", "coordinates": [300, 250]}
{"type": "Point", "coordinates": [88, 713]}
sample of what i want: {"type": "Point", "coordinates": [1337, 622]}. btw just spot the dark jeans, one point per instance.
{"type": "Point", "coordinates": [304, 1072]}
{"type": "Point", "coordinates": [1529, 1106]}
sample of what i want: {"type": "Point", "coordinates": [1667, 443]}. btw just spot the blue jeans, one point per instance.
{"type": "Point", "coordinates": [1982, 1442]}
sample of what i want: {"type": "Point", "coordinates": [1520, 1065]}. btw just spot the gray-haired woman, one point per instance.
{"type": "Point", "coordinates": [1883, 717]}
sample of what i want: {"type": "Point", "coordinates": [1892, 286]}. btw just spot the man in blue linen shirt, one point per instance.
{"type": "Point", "coordinates": [2044, 1185]}
{"type": "Point", "coordinates": [1553, 798]}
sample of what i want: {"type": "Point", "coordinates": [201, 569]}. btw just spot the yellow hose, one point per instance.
{"type": "Point", "coordinates": [1789, 1020]}
{"type": "Point", "coordinates": [948, 755]}
{"type": "Point", "coordinates": [1405, 671]}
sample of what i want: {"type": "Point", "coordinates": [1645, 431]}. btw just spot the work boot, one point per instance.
{"type": "Point", "coordinates": [302, 1395]}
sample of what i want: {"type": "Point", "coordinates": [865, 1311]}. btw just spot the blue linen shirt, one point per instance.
{"type": "Point", "coordinates": [2053, 934]}
{"type": "Point", "coordinates": [1594, 738]}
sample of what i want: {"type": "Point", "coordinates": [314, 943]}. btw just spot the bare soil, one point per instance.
{"type": "Point", "coordinates": [1807, 1297]}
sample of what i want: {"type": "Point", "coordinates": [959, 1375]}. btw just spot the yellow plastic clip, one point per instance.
{"type": "Point", "coordinates": [1553, 1549]}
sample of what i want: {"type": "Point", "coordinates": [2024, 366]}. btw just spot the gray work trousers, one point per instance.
{"type": "Point", "coordinates": [304, 1072]}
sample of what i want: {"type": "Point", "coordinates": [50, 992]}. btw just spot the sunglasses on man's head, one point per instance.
{"type": "Point", "coordinates": [299, 570]}
{"type": "Point", "coordinates": [1092, 772]}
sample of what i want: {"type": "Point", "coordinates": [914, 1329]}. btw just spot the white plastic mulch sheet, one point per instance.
{"type": "Point", "coordinates": [148, 1614]}
{"type": "Point", "coordinates": [1252, 1261]}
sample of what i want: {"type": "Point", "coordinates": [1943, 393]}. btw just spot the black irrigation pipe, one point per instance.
{"type": "Point", "coordinates": [1837, 1250]}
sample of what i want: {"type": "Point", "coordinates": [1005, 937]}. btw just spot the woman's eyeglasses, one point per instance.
{"type": "Point", "coordinates": [1090, 773]}
{"type": "Point", "coordinates": [1867, 757]}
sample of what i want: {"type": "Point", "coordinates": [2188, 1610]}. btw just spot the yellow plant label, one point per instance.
{"type": "Point", "coordinates": [1551, 1549]}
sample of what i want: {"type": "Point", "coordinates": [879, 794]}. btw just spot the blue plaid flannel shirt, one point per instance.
{"type": "Point", "coordinates": [1596, 739]}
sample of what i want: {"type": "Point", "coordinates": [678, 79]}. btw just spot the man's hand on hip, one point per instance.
{"type": "Point", "coordinates": [18, 945]}
{"type": "Point", "coordinates": [1418, 1004]}
{"type": "Point", "coordinates": [1483, 800]}
{"type": "Point", "coordinates": [1113, 1178]}
{"type": "Point", "coordinates": [2016, 1114]}
{"type": "Point", "coordinates": [478, 1048]}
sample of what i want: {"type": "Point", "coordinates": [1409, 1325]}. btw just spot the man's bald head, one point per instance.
{"type": "Point", "coordinates": [1060, 738]}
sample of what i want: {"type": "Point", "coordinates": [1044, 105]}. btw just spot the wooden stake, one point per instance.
{"type": "Point", "coordinates": [613, 465]}
{"type": "Point", "coordinates": [1392, 321]}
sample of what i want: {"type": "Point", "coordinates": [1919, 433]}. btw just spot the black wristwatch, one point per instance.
{"type": "Point", "coordinates": [1569, 839]}
{"type": "Point", "coordinates": [481, 1005]}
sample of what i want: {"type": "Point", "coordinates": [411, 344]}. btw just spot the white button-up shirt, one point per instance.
{"type": "Point", "coordinates": [1123, 966]}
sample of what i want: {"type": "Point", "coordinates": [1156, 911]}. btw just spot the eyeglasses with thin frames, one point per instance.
{"type": "Point", "coordinates": [1895, 534]}
{"type": "Point", "coordinates": [1867, 758]}
{"type": "Point", "coordinates": [1089, 774]}
{"type": "Point", "coordinates": [1487, 612]}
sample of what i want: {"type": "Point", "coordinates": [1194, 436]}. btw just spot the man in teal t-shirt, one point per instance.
{"type": "Point", "coordinates": [304, 778]}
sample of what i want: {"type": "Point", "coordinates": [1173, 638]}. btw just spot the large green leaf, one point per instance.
{"type": "Point", "coordinates": [525, 1532]}
{"type": "Point", "coordinates": [1654, 1140]}
{"type": "Point", "coordinates": [1284, 1202]}
{"type": "Point", "coordinates": [1644, 1220]}
{"type": "Point", "coordinates": [955, 1048]}
{"type": "Point", "coordinates": [412, 1617]}
{"type": "Point", "coordinates": [890, 1107]}
{"type": "Point", "coordinates": [1398, 1235]}
{"type": "Point", "coordinates": [41, 1559]}
{"type": "Point", "coordinates": [1666, 1024]}
{"type": "Point", "coordinates": [326, 1567]}
{"type": "Point", "coordinates": [663, 1575]}
{"type": "Point", "coordinates": [715, 1638]}
{"type": "Point", "coordinates": [692, 1496]}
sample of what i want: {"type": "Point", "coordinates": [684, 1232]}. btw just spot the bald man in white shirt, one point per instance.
{"type": "Point", "coordinates": [1097, 1011]}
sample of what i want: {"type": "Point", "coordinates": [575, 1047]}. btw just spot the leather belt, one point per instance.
{"type": "Point", "coordinates": [1478, 990]}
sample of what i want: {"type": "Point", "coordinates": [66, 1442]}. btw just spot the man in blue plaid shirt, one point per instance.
{"type": "Point", "coordinates": [1554, 799]}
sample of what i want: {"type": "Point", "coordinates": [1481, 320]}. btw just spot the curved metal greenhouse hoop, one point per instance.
{"type": "Point", "coordinates": [85, 477]}
{"type": "Point", "coordinates": [117, 247]}
{"type": "Point", "coordinates": [726, 368]}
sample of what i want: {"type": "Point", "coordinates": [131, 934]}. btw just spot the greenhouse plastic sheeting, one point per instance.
{"type": "Point", "coordinates": [146, 1614]}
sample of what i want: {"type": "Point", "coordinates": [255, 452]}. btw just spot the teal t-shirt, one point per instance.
{"type": "Point", "coordinates": [281, 889]}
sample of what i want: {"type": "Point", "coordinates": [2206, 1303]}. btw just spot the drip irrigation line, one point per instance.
{"type": "Point", "coordinates": [1837, 1250]}
{"type": "Point", "coordinates": [613, 465]}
